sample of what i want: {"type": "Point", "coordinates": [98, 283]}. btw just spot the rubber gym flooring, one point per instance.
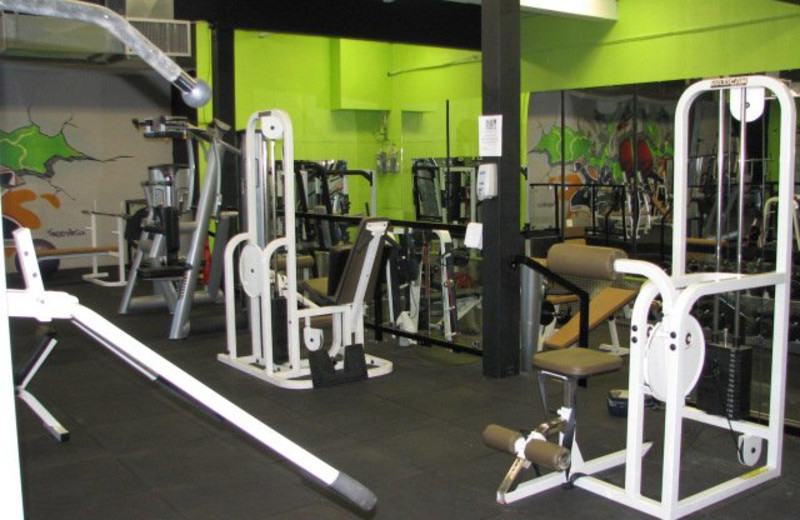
{"type": "Point", "coordinates": [414, 437]}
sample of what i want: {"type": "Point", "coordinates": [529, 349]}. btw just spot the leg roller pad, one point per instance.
{"type": "Point", "coordinates": [501, 438]}
{"type": "Point", "coordinates": [548, 455]}
{"type": "Point", "coordinates": [541, 452]}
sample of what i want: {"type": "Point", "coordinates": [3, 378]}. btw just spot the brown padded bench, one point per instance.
{"type": "Point", "coordinates": [577, 362]}
{"type": "Point", "coordinates": [303, 262]}
{"type": "Point", "coordinates": [75, 251]}
{"type": "Point", "coordinates": [560, 299]}
{"type": "Point", "coordinates": [589, 262]}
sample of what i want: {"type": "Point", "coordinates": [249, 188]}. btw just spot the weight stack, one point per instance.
{"type": "Point", "coordinates": [724, 387]}
{"type": "Point", "coordinates": [280, 337]}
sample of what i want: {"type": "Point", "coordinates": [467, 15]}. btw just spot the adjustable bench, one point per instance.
{"type": "Point", "coordinates": [553, 444]}
{"type": "Point", "coordinates": [589, 262]}
{"type": "Point", "coordinates": [534, 448]}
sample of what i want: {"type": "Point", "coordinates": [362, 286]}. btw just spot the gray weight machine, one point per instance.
{"type": "Point", "coordinates": [163, 256]}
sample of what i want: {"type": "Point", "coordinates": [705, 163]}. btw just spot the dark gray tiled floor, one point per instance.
{"type": "Point", "coordinates": [139, 452]}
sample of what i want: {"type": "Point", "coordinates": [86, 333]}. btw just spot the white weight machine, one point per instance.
{"type": "Point", "coordinates": [268, 272]}
{"type": "Point", "coordinates": [667, 358]}
{"type": "Point", "coordinates": [35, 302]}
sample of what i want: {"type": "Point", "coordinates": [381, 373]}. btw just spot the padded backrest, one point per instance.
{"type": "Point", "coordinates": [337, 261]}
{"type": "Point", "coordinates": [356, 260]}
{"type": "Point", "coordinates": [585, 261]}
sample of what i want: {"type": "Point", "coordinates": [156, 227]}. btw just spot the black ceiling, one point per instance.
{"type": "Point", "coordinates": [427, 22]}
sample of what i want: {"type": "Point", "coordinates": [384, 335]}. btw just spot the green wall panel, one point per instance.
{"type": "Point", "coordinates": [202, 42]}
{"type": "Point", "coordinates": [660, 40]}
{"type": "Point", "coordinates": [341, 94]}
{"type": "Point", "coordinates": [333, 88]}
{"type": "Point", "coordinates": [359, 77]}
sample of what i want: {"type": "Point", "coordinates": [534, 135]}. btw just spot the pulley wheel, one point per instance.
{"type": "Point", "coordinates": [692, 358]}
{"type": "Point", "coordinates": [251, 270]}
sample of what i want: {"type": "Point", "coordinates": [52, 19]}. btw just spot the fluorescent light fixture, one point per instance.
{"type": "Point", "coordinates": [602, 9]}
{"type": "Point", "coordinates": [594, 9]}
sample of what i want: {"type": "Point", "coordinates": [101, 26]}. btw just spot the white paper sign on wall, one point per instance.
{"type": "Point", "coordinates": [490, 135]}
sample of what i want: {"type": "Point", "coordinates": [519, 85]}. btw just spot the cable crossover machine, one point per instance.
{"type": "Point", "coordinates": [667, 357]}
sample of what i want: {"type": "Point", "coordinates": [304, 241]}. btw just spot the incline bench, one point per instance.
{"type": "Point", "coordinates": [589, 262]}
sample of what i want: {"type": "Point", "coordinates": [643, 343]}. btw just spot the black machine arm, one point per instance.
{"type": "Point", "coordinates": [583, 338]}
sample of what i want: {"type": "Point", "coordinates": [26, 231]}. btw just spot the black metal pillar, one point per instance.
{"type": "Point", "coordinates": [224, 97]}
{"type": "Point", "coordinates": [500, 43]}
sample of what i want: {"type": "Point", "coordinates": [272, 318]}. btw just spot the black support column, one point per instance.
{"type": "Point", "coordinates": [500, 43]}
{"type": "Point", "coordinates": [224, 97]}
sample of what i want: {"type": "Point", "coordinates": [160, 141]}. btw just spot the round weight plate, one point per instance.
{"type": "Point", "coordinates": [251, 272]}
{"type": "Point", "coordinates": [692, 358]}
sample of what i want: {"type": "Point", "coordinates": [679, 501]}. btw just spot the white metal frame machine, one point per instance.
{"type": "Point", "coordinates": [259, 247]}
{"type": "Point", "coordinates": [666, 358]}
{"type": "Point", "coordinates": [673, 359]}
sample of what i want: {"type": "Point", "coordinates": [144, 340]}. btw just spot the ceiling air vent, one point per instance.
{"type": "Point", "coordinates": [174, 37]}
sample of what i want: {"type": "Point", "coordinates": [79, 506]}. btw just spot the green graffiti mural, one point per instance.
{"type": "Point", "coordinates": [29, 151]}
{"type": "Point", "coordinates": [579, 147]}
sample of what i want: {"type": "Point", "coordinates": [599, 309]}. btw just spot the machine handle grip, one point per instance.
{"type": "Point", "coordinates": [354, 491]}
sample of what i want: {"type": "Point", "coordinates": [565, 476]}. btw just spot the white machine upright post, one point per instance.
{"type": "Point", "coordinates": [11, 490]}
{"type": "Point", "coordinates": [261, 280]}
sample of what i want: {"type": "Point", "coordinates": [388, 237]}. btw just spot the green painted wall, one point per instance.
{"type": "Point", "coordinates": [202, 42]}
{"type": "Point", "coordinates": [293, 73]}
{"type": "Point", "coordinates": [344, 96]}
{"type": "Point", "coordinates": [347, 99]}
{"type": "Point", "coordinates": [656, 40]}
{"type": "Point", "coordinates": [358, 75]}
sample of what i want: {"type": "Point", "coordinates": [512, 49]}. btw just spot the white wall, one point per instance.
{"type": "Point", "coordinates": [94, 106]}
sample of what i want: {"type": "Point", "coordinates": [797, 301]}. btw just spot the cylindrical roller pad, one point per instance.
{"type": "Point", "coordinates": [548, 454]}
{"type": "Point", "coordinates": [501, 439]}
{"type": "Point", "coordinates": [585, 261]}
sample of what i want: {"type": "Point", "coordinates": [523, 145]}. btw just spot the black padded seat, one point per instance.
{"type": "Point", "coordinates": [347, 261]}
{"type": "Point", "coordinates": [577, 362]}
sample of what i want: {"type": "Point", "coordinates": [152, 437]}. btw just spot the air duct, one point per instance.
{"type": "Point", "coordinates": [39, 37]}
